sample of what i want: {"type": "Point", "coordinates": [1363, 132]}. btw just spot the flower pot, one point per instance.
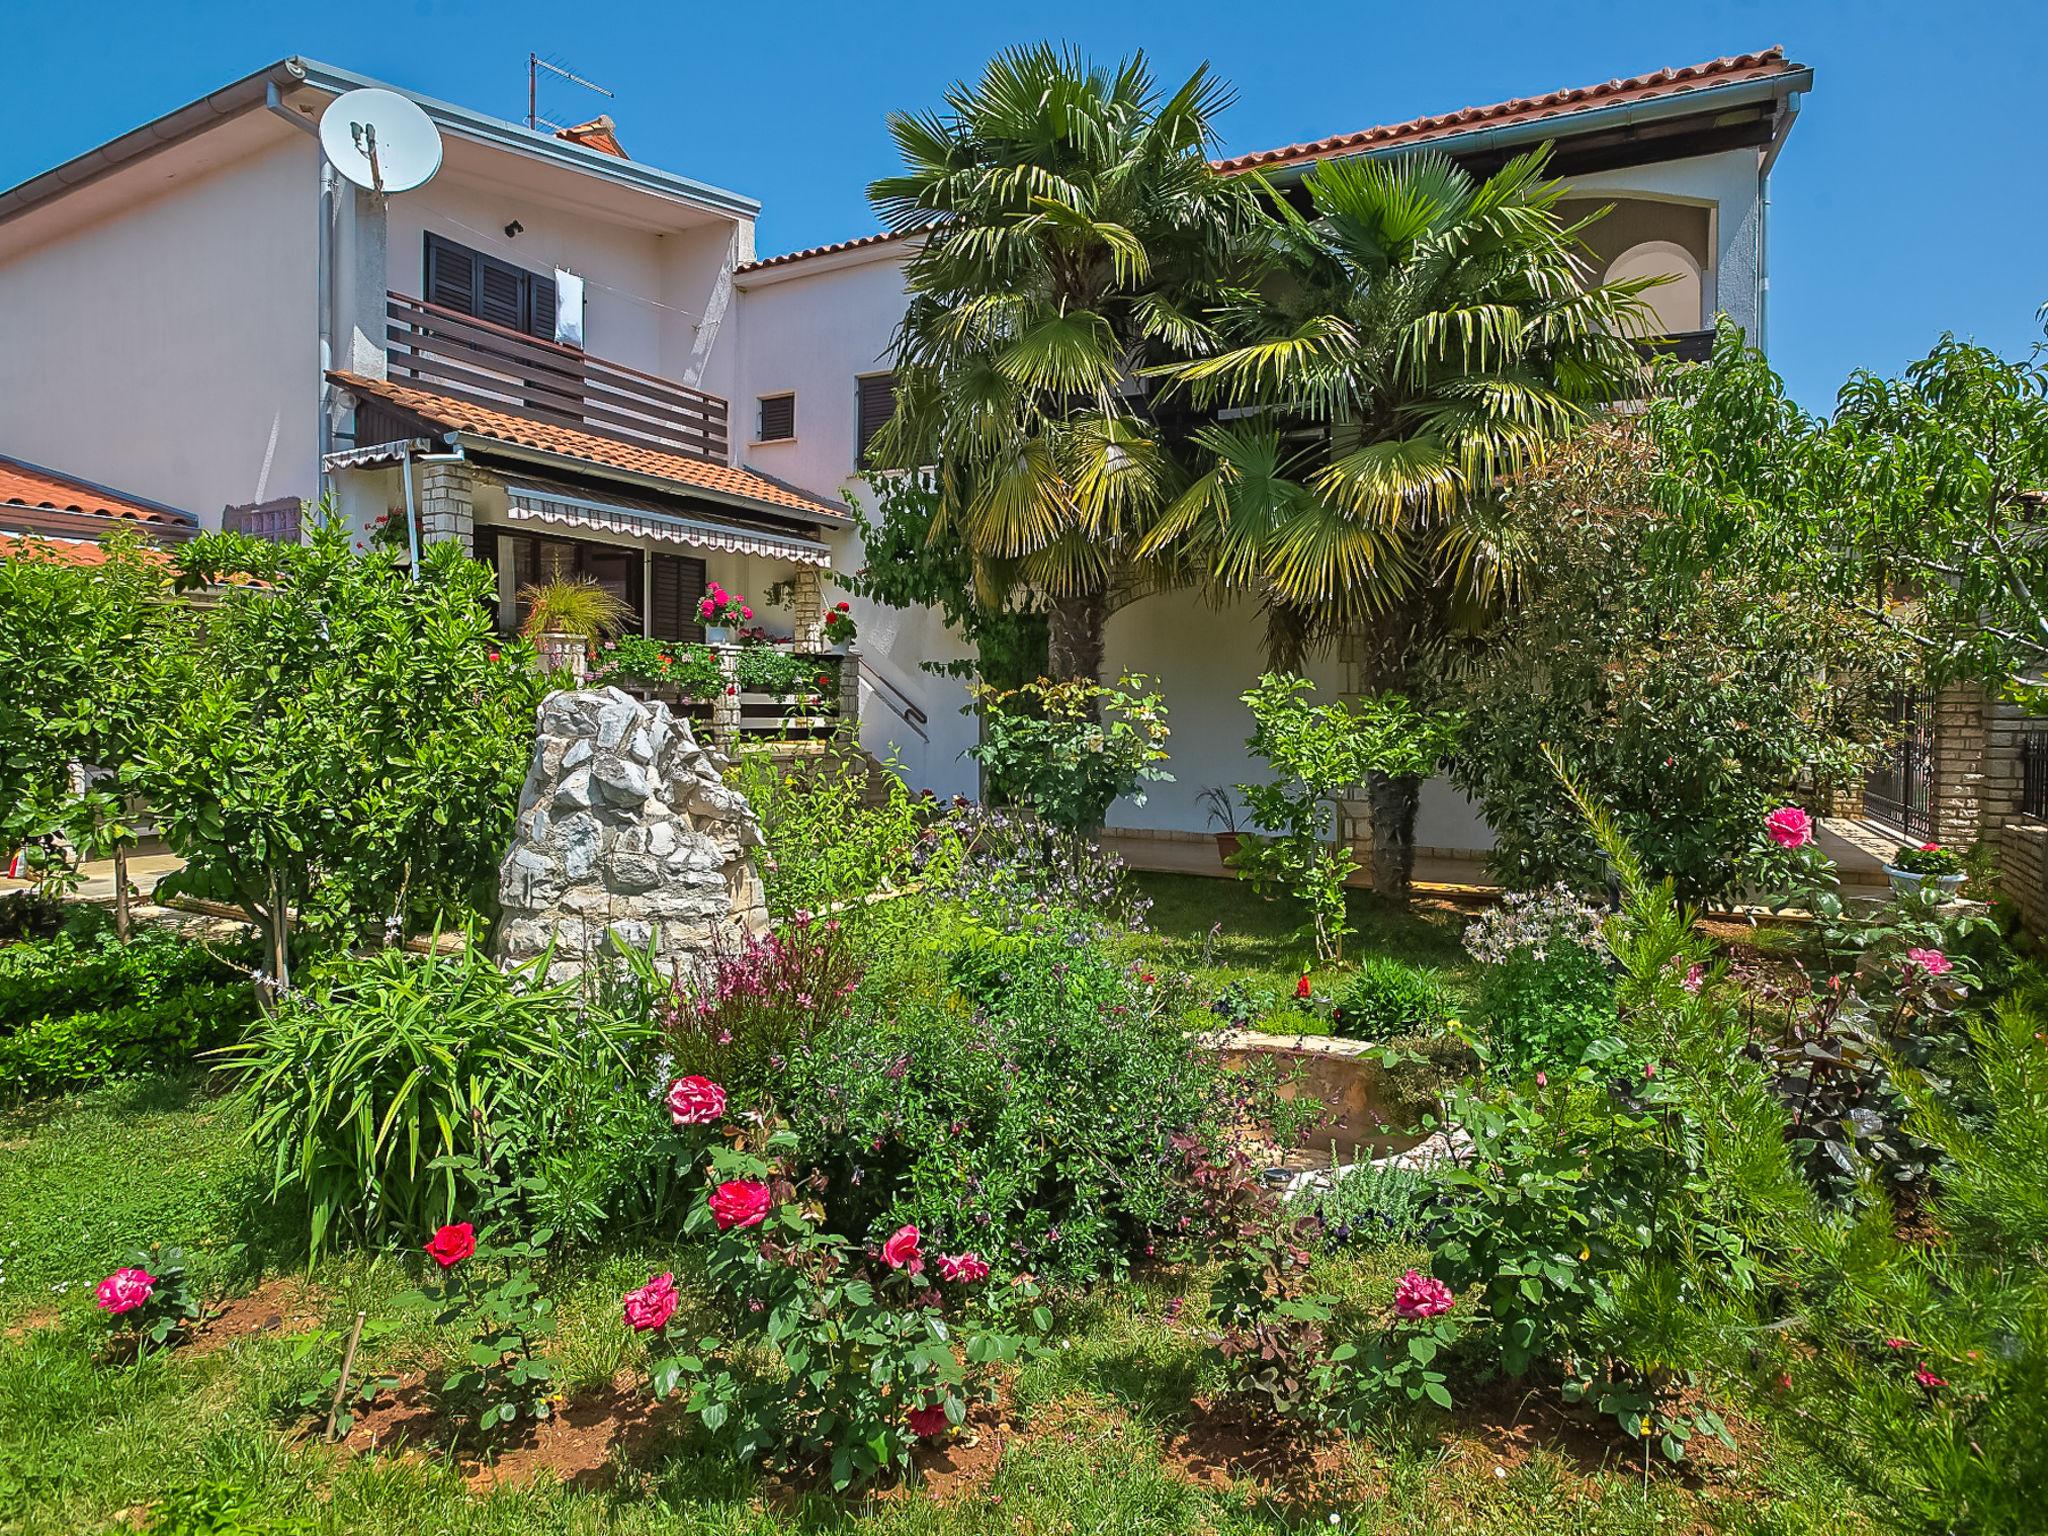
{"type": "Point", "coordinates": [557, 652]}
{"type": "Point", "coordinates": [1906, 881]}
{"type": "Point", "coordinates": [1227, 845]}
{"type": "Point", "coordinates": [718, 634]}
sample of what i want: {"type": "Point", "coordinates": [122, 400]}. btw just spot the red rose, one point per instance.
{"type": "Point", "coordinates": [901, 1251]}
{"type": "Point", "coordinates": [494, 655]}
{"type": "Point", "coordinates": [452, 1244]}
{"type": "Point", "coordinates": [1301, 987]}
{"type": "Point", "coordinates": [929, 1422]}
{"type": "Point", "coordinates": [962, 1268]}
{"type": "Point", "coordinates": [650, 1306]}
{"type": "Point", "coordinates": [843, 608]}
{"type": "Point", "coordinates": [695, 1101]}
{"type": "Point", "coordinates": [739, 1203]}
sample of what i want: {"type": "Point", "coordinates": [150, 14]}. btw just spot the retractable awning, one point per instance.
{"type": "Point", "coordinates": [533, 501]}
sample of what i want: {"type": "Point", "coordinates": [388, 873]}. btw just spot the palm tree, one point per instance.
{"type": "Point", "coordinates": [1075, 237]}
{"type": "Point", "coordinates": [1418, 337]}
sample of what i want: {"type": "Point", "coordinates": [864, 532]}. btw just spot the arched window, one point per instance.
{"type": "Point", "coordinates": [1678, 303]}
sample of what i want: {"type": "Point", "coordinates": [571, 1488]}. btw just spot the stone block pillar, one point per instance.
{"type": "Point", "coordinates": [725, 704]}
{"type": "Point", "coordinates": [808, 599]}
{"type": "Point", "coordinates": [849, 699]}
{"type": "Point", "coordinates": [447, 506]}
{"type": "Point", "coordinates": [1962, 741]}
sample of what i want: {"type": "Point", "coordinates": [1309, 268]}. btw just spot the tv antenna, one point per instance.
{"type": "Point", "coordinates": [380, 140]}
{"type": "Point", "coordinates": [534, 65]}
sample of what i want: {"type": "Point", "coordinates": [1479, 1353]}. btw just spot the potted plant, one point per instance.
{"type": "Point", "coordinates": [720, 612]}
{"type": "Point", "coordinates": [1915, 864]}
{"type": "Point", "coordinates": [838, 626]}
{"type": "Point", "coordinates": [1223, 816]}
{"type": "Point", "coordinates": [565, 617]}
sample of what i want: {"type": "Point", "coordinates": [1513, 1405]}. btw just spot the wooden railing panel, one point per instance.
{"type": "Point", "coordinates": [446, 352]}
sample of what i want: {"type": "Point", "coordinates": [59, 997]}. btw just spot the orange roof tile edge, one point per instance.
{"type": "Point", "coordinates": [1664, 82]}
{"type": "Point", "coordinates": [600, 134]}
{"type": "Point", "coordinates": [29, 485]}
{"type": "Point", "coordinates": [604, 452]}
{"type": "Point", "coordinates": [65, 551]}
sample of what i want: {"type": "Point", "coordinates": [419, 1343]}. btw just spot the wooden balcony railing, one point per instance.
{"type": "Point", "coordinates": [453, 354]}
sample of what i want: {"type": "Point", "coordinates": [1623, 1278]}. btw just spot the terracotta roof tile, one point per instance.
{"type": "Point", "coordinates": [65, 551]}
{"type": "Point", "coordinates": [1556, 104]}
{"type": "Point", "coordinates": [1421, 130]}
{"type": "Point", "coordinates": [829, 250]}
{"type": "Point", "coordinates": [29, 485]}
{"type": "Point", "coordinates": [720, 480]}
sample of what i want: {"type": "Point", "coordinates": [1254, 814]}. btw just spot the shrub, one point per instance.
{"type": "Point", "coordinates": [1386, 998]}
{"type": "Point", "coordinates": [400, 1089]}
{"type": "Point", "coordinates": [1070, 750]}
{"type": "Point", "coordinates": [1377, 1207]}
{"type": "Point", "coordinates": [80, 1004]}
{"type": "Point", "coordinates": [1545, 993]}
{"type": "Point", "coordinates": [837, 831]}
{"type": "Point", "coordinates": [823, 1349]}
{"type": "Point", "coordinates": [1012, 872]}
{"type": "Point", "coordinates": [1039, 1128]}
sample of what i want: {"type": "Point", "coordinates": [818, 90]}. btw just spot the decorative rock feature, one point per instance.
{"type": "Point", "coordinates": [627, 834]}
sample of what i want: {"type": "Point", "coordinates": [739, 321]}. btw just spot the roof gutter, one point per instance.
{"type": "Point", "coordinates": [229, 101]}
{"type": "Point", "coordinates": [1513, 136]}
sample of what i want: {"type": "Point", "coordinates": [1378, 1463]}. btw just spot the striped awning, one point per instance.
{"type": "Point", "coordinates": [535, 502]}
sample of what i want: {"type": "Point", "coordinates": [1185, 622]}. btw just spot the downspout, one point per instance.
{"type": "Point", "coordinates": [412, 526]}
{"type": "Point", "coordinates": [324, 261]}
{"type": "Point", "coordinates": [1768, 159]}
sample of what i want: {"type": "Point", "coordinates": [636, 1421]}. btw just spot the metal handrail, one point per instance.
{"type": "Point", "coordinates": [896, 699]}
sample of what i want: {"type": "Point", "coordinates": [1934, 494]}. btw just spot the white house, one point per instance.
{"type": "Point", "coordinates": [575, 362]}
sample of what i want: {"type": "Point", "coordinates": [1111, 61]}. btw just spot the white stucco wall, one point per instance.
{"type": "Point", "coordinates": [814, 330]}
{"type": "Point", "coordinates": [1730, 185]}
{"type": "Point", "coordinates": [172, 350]}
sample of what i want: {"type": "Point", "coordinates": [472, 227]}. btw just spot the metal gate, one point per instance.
{"type": "Point", "coordinates": [1900, 790]}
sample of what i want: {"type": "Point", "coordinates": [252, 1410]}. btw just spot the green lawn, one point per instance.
{"type": "Point", "coordinates": [1102, 1438]}
{"type": "Point", "coordinates": [1220, 931]}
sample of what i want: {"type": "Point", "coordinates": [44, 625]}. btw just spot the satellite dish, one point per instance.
{"type": "Point", "coordinates": [380, 140]}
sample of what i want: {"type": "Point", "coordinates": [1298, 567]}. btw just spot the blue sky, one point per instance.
{"type": "Point", "coordinates": [1908, 201]}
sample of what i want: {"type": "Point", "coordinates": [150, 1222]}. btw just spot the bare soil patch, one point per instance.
{"type": "Point", "coordinates": [285, 1305]}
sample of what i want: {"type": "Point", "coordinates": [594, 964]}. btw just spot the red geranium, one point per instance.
{"type": "Point", "coordinates": [452, 1244]}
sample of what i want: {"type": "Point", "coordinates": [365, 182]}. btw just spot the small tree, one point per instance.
{"type": "Point", "coordinates": [77, 690]}
{"type": "Point", "coordinates": [1070, 750]}
{"type": "Point", "coordinates": [342, 756]}
{"type": "Point", "coordinates": [1318, 752]}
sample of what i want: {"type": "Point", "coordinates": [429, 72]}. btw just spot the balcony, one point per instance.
{"type": "Point", "coordinates": [450, 353]}
{"type": "Point", "coordinates": [1684, 346]}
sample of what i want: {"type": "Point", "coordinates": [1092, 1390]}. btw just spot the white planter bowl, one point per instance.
{"type": "Point", "coordinates": [1904, 880]}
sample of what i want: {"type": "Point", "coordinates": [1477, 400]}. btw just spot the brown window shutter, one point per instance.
{"type": "Point", "coordinates": [472, 283]}
{"type": "Point", "coordinates": [501, 298]}
{"type": "Point", "coordinates": [875, 403]}
{"type": "Point", "coordinates": [678, 583]}
{"type": "Point", "coordinates": [540, 306]}
{"type": "Point", "coordinates": [451, 272]}
{"type": "Point", "coordinates": [778, 418]}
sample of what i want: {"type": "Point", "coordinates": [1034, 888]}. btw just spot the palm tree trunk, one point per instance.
{"type": "Point", "coordinates": [1073, 640]}
{"type": "Point", "coordinates": [1393, 801]}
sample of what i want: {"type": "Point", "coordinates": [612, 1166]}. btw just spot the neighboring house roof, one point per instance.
{"type": "Point", "coordinates": [1563, 111]}
{"type": "Point", "coordinates": [63, 551]}
{"type": "Point", "coordinates": [719, 482]}
{"type": "Point", "coordinates": [828, 250]}
{"type": "Point", "coordinates": [600, 134]}
{"type": "Point", "coordinates": [255, 91]}
{"type": "Point", "coordinates": [1554, 108]}
{"type": "Point", "coordinates": [35, 500]}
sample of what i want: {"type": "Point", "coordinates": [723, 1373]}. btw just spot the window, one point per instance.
{"type": "Point", "coordinates": [678, 582]}
{"type": "Point", "coordinates": [778, 419]}
{"type": "Point", "coordinates": [472, 283]}
{"type": "Point", "coordinates": [874, 404]}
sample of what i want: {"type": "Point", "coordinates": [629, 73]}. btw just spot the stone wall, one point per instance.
{"type": "Point", "coordinates": [1976, 792]}
{"type": "Point", "coordinates": [627, 836]}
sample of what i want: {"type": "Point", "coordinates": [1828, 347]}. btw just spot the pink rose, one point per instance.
{"type": "Point", "coordinates": [452, 1244]}
{"type": "Point", "coordinates": [746, 612]}
{"type": "Point", "coordinates": [901, 1251]}
{"type": "Point", "coordinates": [695, 1101]}
{"type": "Point", "coordinates": [1930, 961]}
{"type": "Point", "coordinates": [962, 1268]}
{"type": "Point", "coordinates": [739, 1203]}
{"type": "Point", "coordinates": [1420, 1295]}
{"type": "Point", "coordinates": [124, 1290]}
{"type": "Point", "coordinates": [1789, 827]}
{"type": "Point", "coordinates": [651, 1305]}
